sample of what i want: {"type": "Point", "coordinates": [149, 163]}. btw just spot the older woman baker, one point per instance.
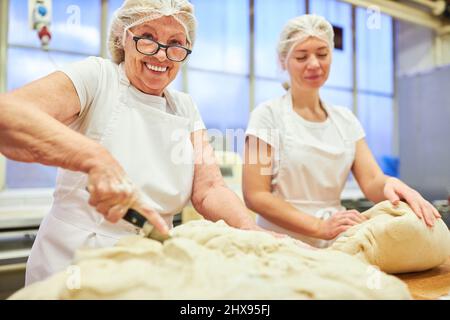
{"type": "Point", "coordinates": [120, 138]}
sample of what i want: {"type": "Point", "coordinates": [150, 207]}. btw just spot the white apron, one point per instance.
{"type": "Point", "coordinates": [311, 176]}
{"type": "Point", "coordinates": [155, 150]}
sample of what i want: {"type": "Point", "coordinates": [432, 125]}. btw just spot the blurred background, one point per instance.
{"type": "Point", "coordinates": [391, 68]}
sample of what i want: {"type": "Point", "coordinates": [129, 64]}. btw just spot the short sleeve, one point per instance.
{"type": "Point", "coordinates": [85, 77]}
{"type": "Point", "coordinates": [262, 125]}
{"type": "Point", "coordinates": [355, 129]}
{"type": "Point", "coordinates": [196, 119]}
{"type": "Point", "coordinates": [185, 106]}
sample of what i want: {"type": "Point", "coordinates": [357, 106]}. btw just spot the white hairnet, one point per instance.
{"type": "Point", "coordinates": [135, 12]}
{"type": "Point", "coordinates": [300, 29]}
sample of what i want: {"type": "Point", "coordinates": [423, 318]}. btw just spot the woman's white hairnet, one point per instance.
{"type": "Point", "coordinates": [135, 12]}
{"type": "Point", "coordinates": [300, 29]}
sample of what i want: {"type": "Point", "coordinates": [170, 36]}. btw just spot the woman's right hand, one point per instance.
{"type": "Point", "coordinates": [112, 193]}
{"type": "Point", "coordinates": [338, 223]}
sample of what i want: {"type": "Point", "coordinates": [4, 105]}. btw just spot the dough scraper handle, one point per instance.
{"type": "Point", "coordinates": [138, 220]}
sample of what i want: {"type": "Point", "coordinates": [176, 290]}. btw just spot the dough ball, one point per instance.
{"type": "Point", "coordinates": [396, 240]}
{"type": "Point", "coordinates": [206, 260]}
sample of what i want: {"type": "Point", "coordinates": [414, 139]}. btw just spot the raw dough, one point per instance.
{"type": "Point", "coordinates": [208, 260]}
{"type": "Point", "coordinates": [396, 240]}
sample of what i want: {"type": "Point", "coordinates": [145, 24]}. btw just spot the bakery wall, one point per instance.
{"type": "Point", "coordinates": [416, 49]}
{"type": "Point", "coordinates": [423, 109]}
{"type": "Point", "coordinates": [424, 131]}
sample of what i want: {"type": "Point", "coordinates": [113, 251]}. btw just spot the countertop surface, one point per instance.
{"type": "Point", "coordinates": [430, 284]}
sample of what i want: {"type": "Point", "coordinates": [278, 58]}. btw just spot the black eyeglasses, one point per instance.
{"type": "Point", "coordinates": [151, 47]}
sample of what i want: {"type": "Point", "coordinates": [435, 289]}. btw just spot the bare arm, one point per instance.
{"type": "Point", "coordinates": [367, 173]}
{"type": "Point", "coordinates": [258, 197]}
{"type": "Point", "coordinates": [378, 187]}
{"type": "Point", "coordinates": [210, 196]}
{"type": "Point", "coordinates": [33, 126]}
{"type": "Point", "coordinates": [256, 184]}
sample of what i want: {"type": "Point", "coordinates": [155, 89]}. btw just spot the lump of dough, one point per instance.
{"type": "Point", "coordinates": [206, 260]}
{"type": "Point", "coordinates": [396, 240]}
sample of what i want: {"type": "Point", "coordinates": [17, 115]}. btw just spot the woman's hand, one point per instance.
{"type": "Point", "coordinates": [395, 190]}
{"type": "Point", "coordinates": [338, 223]}
{"type": "Point", "coordinates": [112, 194]}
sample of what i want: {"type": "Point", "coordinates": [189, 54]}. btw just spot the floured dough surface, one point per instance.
{"type": "Point", "coordinates": [396, 240]}
{"type": "Point", "coordinates": [206, 260]}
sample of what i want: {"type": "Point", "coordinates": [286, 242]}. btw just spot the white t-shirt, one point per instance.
{"type": "Point", "coordinates": [97, 82]}
{"type": "Point", "coordinates": [268, 122]}
{"type": "Point", "coordinates": [311, 160]}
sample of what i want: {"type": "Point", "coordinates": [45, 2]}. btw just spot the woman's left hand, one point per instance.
{"type": "Point", "coordinates": [395, 190]}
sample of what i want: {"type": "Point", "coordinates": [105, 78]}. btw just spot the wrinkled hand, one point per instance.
{"type": "Point", "coordinates": [395, 190]}
{"type": "Point", "coordinates": [338, 223]}
{"type": "Point", "coordinates": [112, 194]}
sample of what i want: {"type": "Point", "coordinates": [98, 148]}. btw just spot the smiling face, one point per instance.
{"type": "Point", "coordinates": [309, 64]}
{"type": "Point", "coordinates": [152, 74]}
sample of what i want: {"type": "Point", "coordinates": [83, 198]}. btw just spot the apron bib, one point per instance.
{"type": "Point", "coordinates": [311, 176]}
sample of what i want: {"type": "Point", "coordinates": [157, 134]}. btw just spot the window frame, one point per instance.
{"type": "Point", "coordinates": [252, 78]}
{"type": "Point", "coordinates": [4, 10]}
